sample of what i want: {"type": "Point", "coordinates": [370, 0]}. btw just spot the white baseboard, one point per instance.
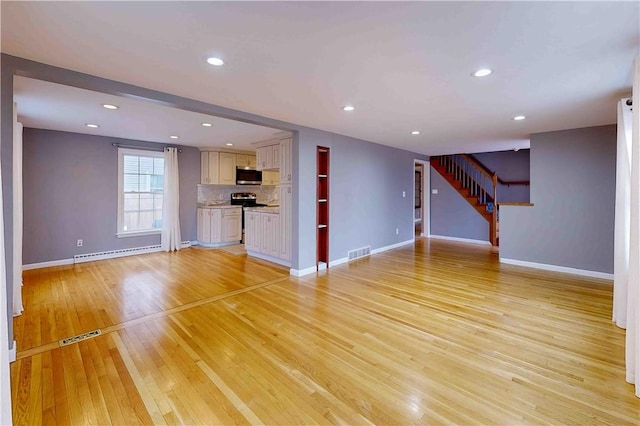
{"type": "Point", "coordinates": [393, 246]}
{"type": "Point", "coordinates": [340, 261]}
{"type": "Point", "coordinates": [112, 254]}
{"type": "Point", "coordinates": [555, 268]}
{"type": "Point", "coordinates": [373, 251]}
{"type": "Point", "coordinates": [47, 264]}
{"type": "Point", "coordinates": [460, 240]}
{"type": "Point", "coordinates": [302, 272]}
{"type": "Point", "coordinates": [13, 351]}
{"type": "Point", "coordinates": [268, 258]}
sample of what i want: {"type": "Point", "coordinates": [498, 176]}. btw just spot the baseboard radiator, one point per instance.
{"type": "Point", "coordinates": [112, 254]}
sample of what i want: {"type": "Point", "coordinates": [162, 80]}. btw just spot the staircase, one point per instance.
{"type": "Point", "coordinates": [474, 183]}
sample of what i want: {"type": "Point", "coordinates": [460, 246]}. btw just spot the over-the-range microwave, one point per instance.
{"type": "Point", "coordinates": [248, 176]}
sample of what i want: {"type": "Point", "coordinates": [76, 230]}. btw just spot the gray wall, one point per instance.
{"type": "Point", "coordinates": [367, 181]}
{"type": "Point", "coordinates": [71, 193]}
{"type": "Point", "coordinates": [510, 166]}
{"type": "Point", "coordinates": [452, 215]}
{"type": "Point", "coordinates": [365, 192]}
{"type": "Point", "coordinates": [573, 191]}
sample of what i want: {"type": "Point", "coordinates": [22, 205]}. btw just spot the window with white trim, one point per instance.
{"type": "Point", "coordinates": [140, 192]}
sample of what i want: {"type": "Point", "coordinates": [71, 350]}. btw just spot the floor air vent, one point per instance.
{"type": "Point", "coordinates": [80, 337]}
{"type": "Point", "coordinates": [358, 253]}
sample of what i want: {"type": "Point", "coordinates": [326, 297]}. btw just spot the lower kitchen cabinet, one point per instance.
{"type": "Point", "coordinates": [270, 242]}
{"type": "Point", "coordinates": [219, 226]}
{"type": "Point", "coordinates": [252, 226]}
{"type": "Point", "coordinates": [263, 236]}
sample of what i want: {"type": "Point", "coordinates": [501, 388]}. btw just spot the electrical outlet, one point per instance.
{"type": "Point", "coordinates": [404, 194]}
{"type": "Point", "coordinates": [434, 191]}
{"type": "Point", "coordinates": [397, 231]}
{"type": "Point", "coordinates": [79, 243]}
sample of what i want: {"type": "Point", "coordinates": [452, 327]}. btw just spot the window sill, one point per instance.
{"type": "Point", "coordinates": [138, 233]}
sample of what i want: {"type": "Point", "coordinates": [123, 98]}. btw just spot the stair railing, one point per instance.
{"type": "Point", "coordinates": [481, 184]}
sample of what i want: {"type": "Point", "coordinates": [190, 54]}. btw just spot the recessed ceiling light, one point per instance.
{"type": "Point", "coordinates": [519, 117]}
{"type": "Point", "coordinates": [207, 124]}
{"type": "Point", "coordinates": [174, 137]}
{"type": "Point", "coordinates": [415, 132]}
{"type": "Point", "coordinates": [348, 108]}
{"type": "Point", "coordinates": [110, 106]}
{"type": "Point", "coordinates": [93, 126]}
{"type": "Point", "coordinates": [482, 72]}
{"type": "Point", "coordinates": [229, 144]}
{"type": "Point", "coordinates": [215, 61]}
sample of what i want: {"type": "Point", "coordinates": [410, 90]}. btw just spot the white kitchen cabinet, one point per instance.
{"type": "Point", "coordinates": [252, 231]}
{"type": "Point", "coordinates": [263, 236]}
{"type": "Point", "coordinates": [263, 157]}
{"type": "Point", "coordinates": [219, 168]}
{"type": "Point", "coordinates": [227, 169]}
{"type": "Point", "coordinates": [219, 226]}
{"type": "Point", "coordinates": [285, 222]}
{"type": "Point", "coordinates": [231, 229]}
{"type": "Point", "coordinates": [209, 222]}
{"type": "Point", "coordinates": [270, 230]}
{"type": "Point", "coordinates": [270, 177]}
{"type": "Point", "coordinates": [242, 160]}
{"type": "Point", "coordinates": [246, 161]}
{"type": "Point", "coordinates": [266, 157]}
{"type": "Point", "coordinates": [285, 161]}
{"type": "Point", "coordinates": [275, 156]}
{"type": "Point", "coordinates": [209, 168]}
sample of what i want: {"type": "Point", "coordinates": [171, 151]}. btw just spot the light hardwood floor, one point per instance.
{"type": "Point", "coordinates": [435, 333]}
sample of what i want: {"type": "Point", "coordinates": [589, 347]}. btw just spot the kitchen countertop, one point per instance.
{"type": "Point", "coordinates": [271, 209]}
{"type": "Point", "coordinates": [221, 205]}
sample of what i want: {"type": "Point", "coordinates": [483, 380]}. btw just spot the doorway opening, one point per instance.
{"type": "Point", "coordinates": [418, 214]}
{"type": "Point", "coordinates": [421, 219]}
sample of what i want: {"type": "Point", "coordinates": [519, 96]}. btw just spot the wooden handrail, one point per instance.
{"type": "Point", "coordinates": [472, 158]}
{"type": "Point", "coordinates": [478, 165]}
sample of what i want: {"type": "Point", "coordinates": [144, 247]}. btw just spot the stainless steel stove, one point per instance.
{"type": "Point", "coordinates": [245, 199]}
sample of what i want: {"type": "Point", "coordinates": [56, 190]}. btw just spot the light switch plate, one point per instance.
{"type": "Point", "coordinates": [434, 191]}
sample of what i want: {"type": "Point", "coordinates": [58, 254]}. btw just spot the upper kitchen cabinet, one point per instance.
{"type": "Point", "coordinates": [285, 161]}
{"type": "Point", "coordinates": [219, 168]}
{"type": "Point", "coordinates": [227, 170]}
{"type": "Point", "coordinates": [209, 167]}
{"type": "Point", "coordinates": [246, 161]}
{"type": "Point", "coordinates": [265, 156]}
{"type": "Point", "coordinates": [270, 178]}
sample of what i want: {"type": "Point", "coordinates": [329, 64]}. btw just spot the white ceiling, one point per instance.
{"type": "Point", "coordinates": [404, 65]}
{"type": "Point", "coordinates": [52, 106]}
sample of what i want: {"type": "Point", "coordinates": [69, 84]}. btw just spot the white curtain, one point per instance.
{"type": "Point", "coordinates": [17, 213]}
{"type": "Point", "coordinates": [170, 239]}
{"type": "Point", "coordinates": [626, 290]}
{"type": "Point", "coordinates": [622, 215]}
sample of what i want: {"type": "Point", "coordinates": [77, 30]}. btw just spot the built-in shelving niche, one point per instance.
{"type": "Point", "coordinates": [322, 211]}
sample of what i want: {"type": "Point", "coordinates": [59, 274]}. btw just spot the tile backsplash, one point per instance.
{"type": "Point", "coordinates": [208, 193]}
